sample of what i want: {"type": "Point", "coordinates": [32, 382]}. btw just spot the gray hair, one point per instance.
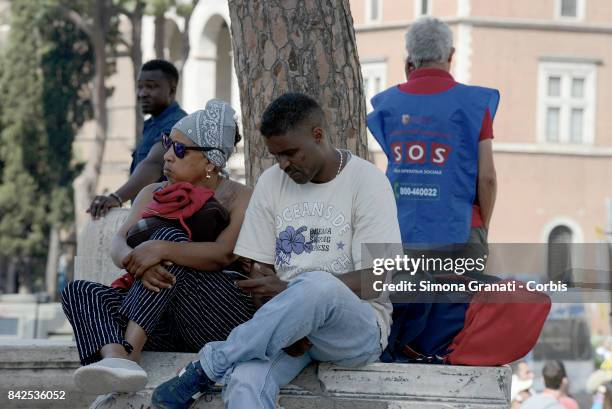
{"type": "Point", "coordinates": [428, 40]}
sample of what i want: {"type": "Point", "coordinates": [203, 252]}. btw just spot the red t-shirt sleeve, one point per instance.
{"type": "Point", "coordinates": [486, 131]}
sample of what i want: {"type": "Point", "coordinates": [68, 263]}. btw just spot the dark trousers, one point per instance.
{"type": "Point", "coordinates": [201, 307]}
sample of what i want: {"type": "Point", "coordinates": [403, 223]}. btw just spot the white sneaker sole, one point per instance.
{"type": "Point", "coordinates": [99, 380]}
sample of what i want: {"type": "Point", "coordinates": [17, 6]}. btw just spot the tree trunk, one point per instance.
{"type": "Point", "coordinates": [3, 273]}
{"type": "Point", "coordinates": [185, 40]}
{"type": "Point", "coordinates": [159, 35]}
{"type": "Point", "coordinates": [86, 183]}
{"type": "Point", "coordinates": [302, 46]}
{"type": "Point", "coordinates": [24, 276]}
{"type": "Point", "coordinates": [11, 276]}
{"type": "Point", "coordinates": [136, 56]}
{"type": "Point", "coordinates": [52, 262]}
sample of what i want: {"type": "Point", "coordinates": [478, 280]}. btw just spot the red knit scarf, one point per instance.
{"type": "Point", "coordinates": [178, 201]}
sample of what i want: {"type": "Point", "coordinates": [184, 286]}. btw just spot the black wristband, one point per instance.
{"type": "Point", "coordinates": [117, 198]}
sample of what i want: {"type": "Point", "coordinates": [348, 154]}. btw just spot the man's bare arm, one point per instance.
{"type": "Point", "coordinates": [487, 180]}
{"type": "Point", "coordinates": [265, 283]}
{"type": "Point", "coordinates": [148, 171]}
{"type": "Point", "coordinates": [361, 282]}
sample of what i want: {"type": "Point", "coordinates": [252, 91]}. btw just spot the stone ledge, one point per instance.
{"type": "Point", "coordinates": [48, 365]}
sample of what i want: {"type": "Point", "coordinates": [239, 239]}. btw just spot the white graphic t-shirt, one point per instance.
{"type": "Point", "coordinates": [321, 226]}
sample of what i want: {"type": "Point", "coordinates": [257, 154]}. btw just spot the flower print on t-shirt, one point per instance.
{"type": "Point", "coordinates": [291, 241]}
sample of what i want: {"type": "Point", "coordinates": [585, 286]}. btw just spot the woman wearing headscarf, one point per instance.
{"type": "Point", "coordinates": [176, 298]}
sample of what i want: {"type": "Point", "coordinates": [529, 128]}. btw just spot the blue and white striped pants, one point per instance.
{"type": "Point", "coordinates": [201, 307]}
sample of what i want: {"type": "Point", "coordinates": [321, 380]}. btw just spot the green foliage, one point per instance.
{"type": "Point", "coordinates": [46, 66]}
{"type": "Point", "coordinates": [23, 137]}
{"type": "Point", "coordinates": [186, 8]}
{"type": "Point", "coordinates": [159, 7]}
{"type": "Point", "coordinates": [67, 68]}
{"type": "Point", "coordinates": [155, 7]}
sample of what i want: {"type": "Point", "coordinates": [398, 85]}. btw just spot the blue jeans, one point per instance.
{"type": "Point", "coordinates": [251, 363]}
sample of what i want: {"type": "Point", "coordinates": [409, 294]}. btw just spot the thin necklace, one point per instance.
{"type": "Point", "coordinates": [340, 165]}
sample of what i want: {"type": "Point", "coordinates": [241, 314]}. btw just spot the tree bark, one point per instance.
{"type": "Point", "coordinates": [185, 40]}
{"type": "Point", "coordinates": [52, 262]}
{"type": "Point", "coordinates": [11, 276]}
{"type": "Point", "coordinates": [301, 46]}
{"type": "Point", "coordinates": [3, 273]}
{"type": "Point", "coordinates": [136, 56]}
{"type": "Point", "coordinates": [159, 35]}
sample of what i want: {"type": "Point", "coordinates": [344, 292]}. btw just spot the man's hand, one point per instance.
{"type": "Point", "coordinates": [156, 278]}
{"type": "Point", "coordinates": [101, 205]}
{"type": "Point", "coordinates": [264, 283]}
{"type": "Point", "coordinates": [143, 257]}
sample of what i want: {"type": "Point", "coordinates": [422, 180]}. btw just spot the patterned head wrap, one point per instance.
{"type": "Point", "coordinates": [213, 127]}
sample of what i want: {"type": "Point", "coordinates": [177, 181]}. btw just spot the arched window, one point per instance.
{"type": "Point", "coordinates": [559, 254]}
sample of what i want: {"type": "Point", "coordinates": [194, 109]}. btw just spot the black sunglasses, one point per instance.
{"type": "Point", "coordinates": [180, 149]}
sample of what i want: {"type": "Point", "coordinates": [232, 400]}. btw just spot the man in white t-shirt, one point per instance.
{"type": "Point", "coordinates": [304, 228]}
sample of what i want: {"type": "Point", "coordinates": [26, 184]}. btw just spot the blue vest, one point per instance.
{"type": "Point", "coordinates": [431, 142]}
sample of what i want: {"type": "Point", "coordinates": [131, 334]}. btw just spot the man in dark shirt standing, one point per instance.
{"type": "Point", "coordinates": [156, 90]}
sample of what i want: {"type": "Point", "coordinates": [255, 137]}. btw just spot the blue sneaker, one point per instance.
{"type": "Point", "coordinates": [182, 391]}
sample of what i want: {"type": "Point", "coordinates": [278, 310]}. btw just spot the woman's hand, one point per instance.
{"type": "Point", "coordinates": [143, 257]}
{"type": "Point", "coordinates": [156, 278]}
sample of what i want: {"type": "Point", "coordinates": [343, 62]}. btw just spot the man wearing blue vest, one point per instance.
{"type": "Point", "coordinates": [437, 136]}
